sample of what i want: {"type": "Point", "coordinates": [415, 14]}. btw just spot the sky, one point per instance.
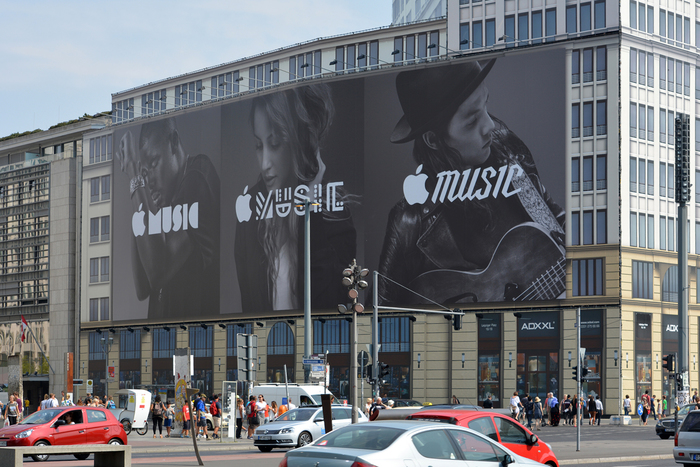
{"type": "Point", "coordinates": [62, 59]}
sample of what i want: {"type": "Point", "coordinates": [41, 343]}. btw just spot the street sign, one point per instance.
{"type": "Point", "coordinates": [581, 353]}
{"type": "Point", "coordinates": [313, 361]}
{"type": "Point", "coordinates": [363, 358]}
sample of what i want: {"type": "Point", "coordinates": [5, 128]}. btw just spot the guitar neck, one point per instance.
{"type": "Point", "coordinates": [549, 284]}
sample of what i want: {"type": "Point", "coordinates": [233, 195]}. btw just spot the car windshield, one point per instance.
{"type": "Point", "coordinates": [361, 436]}
{"type": "Point", "coordinates": [297, 415]}
{"type": "Point", "coordinates": [683, 411]}
{"type": "Point", "coordinates": [691, 423]}
{"type": "Point", "coordinates": [42, 416]}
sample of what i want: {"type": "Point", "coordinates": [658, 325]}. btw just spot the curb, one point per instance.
{"type": "Point", "coordinates": [615, 459]}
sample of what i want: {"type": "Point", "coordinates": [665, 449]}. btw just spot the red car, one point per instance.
{"type": "Point", "coordinates": [64, 426]}
{"type": "Point", "coordinates": [498, 427]}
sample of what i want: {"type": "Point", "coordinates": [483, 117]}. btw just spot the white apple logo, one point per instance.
{"type": "Point", "coordinates": [414, 187]}
{"type": "Point", "coordinates": [243, 211]}
{"type": "Point", "coordinates": [138, 224]}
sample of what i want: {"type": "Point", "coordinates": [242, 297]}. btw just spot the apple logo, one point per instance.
{"type": "Point", "coordinates": [138, 224]}
{"type": "Point", "coordinates": [243, 211]}
{"type": "Point", "coordinates": [414, 187]}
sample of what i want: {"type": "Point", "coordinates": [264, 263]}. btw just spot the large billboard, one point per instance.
{"type": "Point", "coordinates": [446, 178]}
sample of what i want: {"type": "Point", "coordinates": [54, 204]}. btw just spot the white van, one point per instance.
{"type": "Point", "coordinates": [299, 394]}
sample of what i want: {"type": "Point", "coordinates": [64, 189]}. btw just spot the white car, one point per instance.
{"type": "Point", "coordinates": [402, 443]}
{"type": "Point", "coordinates": [301, 426]}
{"type": "Point", "coordinates": [686, 448]}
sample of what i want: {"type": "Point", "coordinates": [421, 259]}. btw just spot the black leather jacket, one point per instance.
{"type": "Point", "coordinates": [461, 235]}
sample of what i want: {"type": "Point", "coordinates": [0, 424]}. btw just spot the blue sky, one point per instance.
{"type": "Point", "coordinates": [61, 59]}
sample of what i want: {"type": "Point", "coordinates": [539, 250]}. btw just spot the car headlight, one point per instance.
{"type": "Point", "coordinates": [24, 434]}
{"type": "Point", "coordinates": [286, 430]}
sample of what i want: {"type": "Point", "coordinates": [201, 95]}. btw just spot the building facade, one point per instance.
{"type": "Point", "coordinates": [586, 91]}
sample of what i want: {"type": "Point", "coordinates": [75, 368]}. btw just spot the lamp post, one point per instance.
{"type": "Point", "coordinates": [106, 347]}
{"type": "Point", "coordinates": [308, 340]}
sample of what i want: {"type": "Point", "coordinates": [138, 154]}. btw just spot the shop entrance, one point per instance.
{"type": "Point", "coordinates": [538, 373]}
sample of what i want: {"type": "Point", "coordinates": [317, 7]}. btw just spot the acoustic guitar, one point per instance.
{"type": "Point", "coordinates": [528, 264]}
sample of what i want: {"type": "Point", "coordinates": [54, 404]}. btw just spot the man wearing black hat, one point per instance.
{"type": "Point", "coordinates": [483, 228]}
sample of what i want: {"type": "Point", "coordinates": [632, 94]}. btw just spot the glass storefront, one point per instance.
{"type": "Point", "coordinates": [642, 349]}
{"type": "Point", "coordinates": [592, 341]}
{"type": "Point", "coordinates": [489, 371]}
{"type": "Point", "coordinates": [538, 366]}
{"type": "Point", "coordinates": [669, 335]}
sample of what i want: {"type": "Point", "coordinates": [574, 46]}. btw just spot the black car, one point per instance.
{"type": "Point", "coordinates": [665, 427]}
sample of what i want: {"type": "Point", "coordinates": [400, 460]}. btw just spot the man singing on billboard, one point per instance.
{"type": "Point", "coordinates": [175, 222]}
{"type": "Point", "coordinates": [476, 224]}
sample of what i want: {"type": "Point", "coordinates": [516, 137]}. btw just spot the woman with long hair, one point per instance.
{"type": "Point", "coordinates": [289, 129]}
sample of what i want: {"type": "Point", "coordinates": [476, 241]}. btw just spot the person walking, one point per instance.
{"type": "Point", "coordinates": [566, 409]}
{"type": "Point", "coordinates": [515, 405]}
{"type": "Point", "coordinates": [273, 411]}
{"type": "Point", "coordinates": [574, 410]}
{"type": "Point", "coordinates": [264, 409]}
{"type": "Point", "coordinates": [169, 418]}
{"type": "Point", "coordinates": [537, 413]}
{"type": "Point", "coordinates": [665, 406]}
{"type": "Point", "coordinates": [599, 408]}
{"type": "Point", "coordinates": [591, 410]}
{"type": "Point", "coordinates": [240, 411]}
{"type": "Point", "coordinates": [627, 405]}
{"type": "Point", "coordinates": [215, 410]}
{"type": "Point", "coordinates": [546, 420]}
{"type": "Point", "coordinates": [12, 410]}
{"type": "Point", "coordinates": [645, 408]}
{"type": "Point", "coordinates": [251, 411]}
{"type": "Point", "coordinates": [201, 408]}
{"type": "Point", "coordinates": [488, 403]}
{"type": "Point", "coordinates": [157, 413]}
{"type": "Point", "coordinates": [652, 406]}
{"type": "Point", "coordinates": [554, 409]}
{"type": "Point", "coordinates": [528, 408]}
{"type": "Point", "coordinates": [185, 421]}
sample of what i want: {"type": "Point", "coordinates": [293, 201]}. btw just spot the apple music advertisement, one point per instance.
{"type": "Point", "coordinates": [447, 178]}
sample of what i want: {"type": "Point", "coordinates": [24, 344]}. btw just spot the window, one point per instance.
{"type": "Point", "coordinates": [551, 24]}
{"type": "Point", "coordinates": [188, 93]}
{"type": "Point", "coordinates": [587, 119]}
{"type": "Point", "coordinates": [642, 280]}
{"type": "Point", "coordinates": [662, 72]}
{"type": "Point", "coordinates": [650, 20]}
{"type": "Point", "coordinates": [575, 175]}
{"type": "Point", "coordinates": [587, 65]}
{"type": "Point", "coordinates": [153, 102]}
{"type": "Point", "coordinates": [411, 46]}
{"type": "Point", "coordinates": [642, 122]}
{"type": "Point", "coordinates": [697, 138]}
{"type": "Point", "coordinates": [601, 226]}
{"type": "Point", "coordinates": [650, 178]}
{"type": "Point", "coordinates": [686, 79]}
{"type": "Point", "coordinates": [509, 29]}
{"type": "Point", "coordinates": [339, 58]}
{"type": "Point", "coordinates": [642, 67]}
{"type": "Point", "coordinates": [232, 331]}
{"type": "Point", "coordinates": [477, 35]}
{"type": "Point", "coordinates": [633, 174]}
{"type": "Point", "coordinates": [95, 347]}
{"type": "Point", "coordinates": [633, 229]}
{"type": "Point", "coordinates": [585, 17]}
{"type": "Point", "coordinates": [575, 123]}
{"type": "Point", "coordinates": [100, 149]}
{"type": "Point", "coordinates": [104, 309]}
{"type": "Point", "coordinates": [600, 14]}
{"type": "Point", "coordinates": [575, 228]}
{"type": "Point", "coordinates": [350, 58]}
{"type": "Point", "coordinates": [374, 52]}
{"type": "Point", "coordinates": [94, 229]}
{"type": "Point", "coordinates": [94, 309]}
{"type": "Point", "coordinates": [104, 223]}
{"type": "Point", "coordinates": [601, 60]}
{"type": "Point", "coordinates": [280, 341]}
{"type": "Point", "coordinates": [671, 239]}
{"type": "Point", "coordinates": [669, 286]}
{"type": "Point", "coordinates": [423, 43]}
{"type": "Point", "coordinates": [571, 19]}
{"type": "Point", "coordinates": [164, 342]}
{"type": "Point", "coordinates": [587, 276]}
{"type": "Point", "coordinates": [679, 77]}
{"type": "Point", "coordinates": [123, 110]}
{"type": "Point", "coordinates": [105, 181]}
{"type": "Point", "coordinates": [662, 233]}
{"type": "Point", "coordinates": [642, 19]}
{"type": "Point", "coordinates": [633, 120]}
{"type": "Point", "coordinates": [650, 231]}
{"type": "Point", "coordinates": [633, 15]}
{"type": "Point", "coordinates": [669, 74]}
{"type": "Point", "coordinates": [94, 190]}
{"type": "Point", "coordinates": [601, 118]}
{"type": "Point", "coordinates": [662, 25]}
{"type": "Point", "coordinates": [642, 230]}
{"type": "Point", "coordinates": [222, 85]}
{"type": "Point", "coordinates": [394, 335]}
{"type": "Point", "coordinates": [435, 444]}
{"type": "Point", "coordinates": [601, 172]}
{"type": "Point", "coordinates": [536, 28]}
{"type": "Point", "coordinates": [588, 173]}
{"type": "Point", "coordinates": [633, 65]}
{"type": "Point", "coordinates": [94, 270]}
{"type": "Point", "coordinates": [464, 39]}
{"type": "Point", "coordinates": [686, 32]}
{"type": "Point", "coordinates": [475, 448]}
{"type": "Point", "coordinates": [650, 70]}
{"type": "Point", "coordinates": [398, 47]}
{"type": "Point", "coordinates": [332, 336]}
{"type": "Point", "coordinates": [575, 67]}
{"type": "Point", "coordinates": [662, 179]}
{"type": "Point", "coordinates": [670, 191]}
{"type": "Point", "coordinates": [523, 32]}
{"type": "Point", "coordinates": [104, 269]}
{"type": "Point", "coordinates": [129, 344]}
{"type": "Point", "coordinates": [201, 342]}
{"type": "Point", "coordinates": [650, 124]}
{"type": "Point", "coordinates": [588, 227]}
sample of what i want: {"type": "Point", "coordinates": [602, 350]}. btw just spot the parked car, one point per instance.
{"type": "Point", "coordinates": [686, 445]}
{"type": "Point", "coordinates": [406, 403]}
{"type": "Point", "coordinates": [62, 426]}
{"type": "Point", "coordinates": [301, 426]}
{"type": "Point", "coordinates": [401, 443]}
{"type": "Point", "coordinates": [500, 428]}
{"type": "Point", "coordinates": [665, 427]}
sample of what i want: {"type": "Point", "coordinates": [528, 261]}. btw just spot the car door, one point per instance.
{"type": "Point", "coordinates": [515, 438]}
{"type": "Point", "coordinates": [342, 416]}
{"type": "Point", "coordinates": [317, 427]}
{"type": "Point", "coordinates": [98, 427]}
{"type": "Point", "coordinates": [67, 435]}
{"type": "Point", "coordinates": [435, 448]}
{"type": "Point", "coordinates": [477, 451]}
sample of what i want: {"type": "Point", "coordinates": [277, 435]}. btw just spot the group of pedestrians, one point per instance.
{"type": "Point", "coordinates": [257, 412]}
{"type": "Point", "coordinates": [533, 412]}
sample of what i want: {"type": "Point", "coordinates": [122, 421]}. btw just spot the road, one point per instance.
{"type": "Point", "coordinates": [605, 445]}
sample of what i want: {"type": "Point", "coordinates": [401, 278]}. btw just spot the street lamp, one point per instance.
{"type": "Point", "coordinates": [106, 347]}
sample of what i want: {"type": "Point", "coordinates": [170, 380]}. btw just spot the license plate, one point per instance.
{"type": "Point", "coordinates": [670, 429]}
{"type": "Point", "coordinates": [263, 438]}
{"type": "Point", "coordinates": [695, 457]}
{"type": "Point", "coordinates": [3, 443]}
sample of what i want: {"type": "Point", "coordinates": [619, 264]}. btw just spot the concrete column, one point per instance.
{"type": "Point", "coordinates": [14, 381]}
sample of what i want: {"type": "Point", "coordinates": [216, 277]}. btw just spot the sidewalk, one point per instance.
{"type": "Point", "coordinates": [147, 444]}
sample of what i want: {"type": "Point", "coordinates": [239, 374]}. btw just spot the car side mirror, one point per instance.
{"type": "Point", "coordinates": [58, 423]}
{"type": "Point", "coordinates": [532, 439]}
{"type": "Point", "coordinates": [318, 420]}
{"type": "Point", "coordinates": [508, 459]}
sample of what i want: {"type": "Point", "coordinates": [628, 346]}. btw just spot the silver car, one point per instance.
{"type": "Point", "coordinates": [402, 443]}
{"type": "Point", "coordinates": [686, 448]}
{"type": "Point", "coordinates": [301, 426]}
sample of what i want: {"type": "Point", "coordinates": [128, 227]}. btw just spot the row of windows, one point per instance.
{"type": "Point", "coordinates": [601, 119]}
{"type": "Point", "coordinates": [529, 30]}
{"type": "Point", "coordinates": [642, 124]}
{"type": "Point", "coordinates": [414, 46]}
{"type": "Point", "coordinates": [264, 75]}
{"type": "Point", "coordinates": [99, 229]}
{"type": "Point", "coordinates": [99, 269]}
{"type": "Point", "coordinates": [601, 64]}
{"type": "Point", "coordinates": [24, 192]}
{"type": "Point", "coordinates": [643, 282]}
{"type": "Point", "coordinates": [642, 231]}
{"type": "Point", "coordinates": [583, 227]}
{"type": "Point", "coordinates": [188, 93]}
{"type": "Point", "coordinates": [100, 149]}
{"type": "Point", "coordinates": [582, 12]}
{"type": "Point", "coordinates": [587, 277]}
{"type": "Point", "coordinates": [586, 182]}
{"type": "Point", "coordinates": [100, 188]}
{"type": "Point", "coordinates": [642, 177]}
{"type": "Point", "coordinates": [29, 227]}
{"type": "Point", "coordinates": [123, 110]}
{"type": "Point", "coordinates": [642, 17]}
{"type": "Point", "coordinates": [681, 25]}
{"type": "Point", "coordinates": [99, 309]}
{"type": "Point", "coordinates": [355, 56]}
{"type": "Point", "coordinates": [153, 102]}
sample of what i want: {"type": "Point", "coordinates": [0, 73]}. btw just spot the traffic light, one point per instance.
{"type": "Point", "coordinates": [669, 363]}
{"type": "Point", "coordinates": [574, 374]}
{"type": "Point", "coordinates": [457, 320]}
{"type": "Point", "coordinates": [679, 383]}
{"type": "Point", "coordinates": [584, 372]}
{"type": "Point", "coordinates": [353, 279]}
{"type": "Point", "coordinates": [383, 370]}
{"type": "Point", "coordinates": [368, 372]}
{"type": "Point", "coordinates": [682, 149]}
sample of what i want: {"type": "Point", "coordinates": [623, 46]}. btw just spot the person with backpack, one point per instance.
{"type": "Point", "coordinates": [215, 410]}
{"type": "Point", "coordinates": [251, 412]}
{"type": "Point", "coordinates": [110, 403]}
{"type": "Point", "coordinates": [157, 413]}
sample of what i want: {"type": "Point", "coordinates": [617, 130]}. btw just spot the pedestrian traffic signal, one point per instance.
{"type": "Point", "coordinates": [669, 363]}
{"type": "Point", "coordinates": [574, 374]}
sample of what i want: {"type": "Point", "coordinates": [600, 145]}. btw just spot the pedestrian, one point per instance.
{"type": "Point", "coordinates": [273, 410]}
{"type": "Point", "coordinates": [169, 417]}
{"type": "Point", "coordinates": [251, 411]}
{"type": "Point", "coordinates": [375, 408]}
{"type": "Point", "coordinates": [12, 410]}
{"type": "Point", "coordinates": [537, 413]}
{"type": "Point", "coordinates": [215, 410]}
{"type": "Point", "coordinates": [591, 410]}
{"type": "Point", "coordinates": [110, 403]}
{"type": "Point", "coordinates": [665, 406]}
{"type": "Point", "coordinates": [528, 406]}
{"type": "Point", "coordinates": [515, 405]}
{"type": "Point", "coordinates": [454, 399]}
{"type": "Point", "coordinates": [488, 403]}
{"type": "Point", "coordinates": [574, 410]}
{"type": "Point", "coordinates": [157, 413]}
{"type": "Point", "coordinates": [566, 409]}
{"type": "Point", "coordinates": [599, 408]}
{"type": "Point", "coordinates": [554, 409]}
{"type": "Point", "coordinates": [240, 412]}
{"type": "Point", "coordinates": [627, 404]}
{"type": "Point", "coordinates": [263, 409]}
{"type": "Point", "coordinates": [185, 421]}
{"type": "Point", "coordinates": [202, 417]}
{"type": "Point", "coordinates": [652, 406]}
{"type": "Point", "coordinates": [44, 403]}
{"type": "Point", "coordinates": [368, 404]}
{"type": "Point", "coordinates": [645, 407]}
{"type": "Point", "coordinates": [545, 416]}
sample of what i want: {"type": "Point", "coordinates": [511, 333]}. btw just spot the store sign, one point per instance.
{"type": "Point", "coordinates": [490, 327]}
{"type": "Point", "coordinates": [670, 328]}
{"type": "Point", "coordinates": [591, 322]}
{"type": "Point", "coordinates": [534, 325]}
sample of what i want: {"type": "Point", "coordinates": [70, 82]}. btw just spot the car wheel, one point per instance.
{"type": "Point", "coordinates": [82, 456]}
{"type": "Point", "coordinates": [126, 424]}
{"type": "Point", "coordinates": [142, 431]}
{"type": "Point", "coordinates": [115, 442]}
{"type": "Point", "coordinates": [265, 448]}
{"type": "Point", "coordinates": [40, 457]}
{"type": "Point", "coordinates": [304, 439]}
{"type": "Point", "coordinates": [210, 427]}
{"type": "Point", "coordinates": [664, 436]}
{"type": "Point", "coordinates": [551, 464]}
